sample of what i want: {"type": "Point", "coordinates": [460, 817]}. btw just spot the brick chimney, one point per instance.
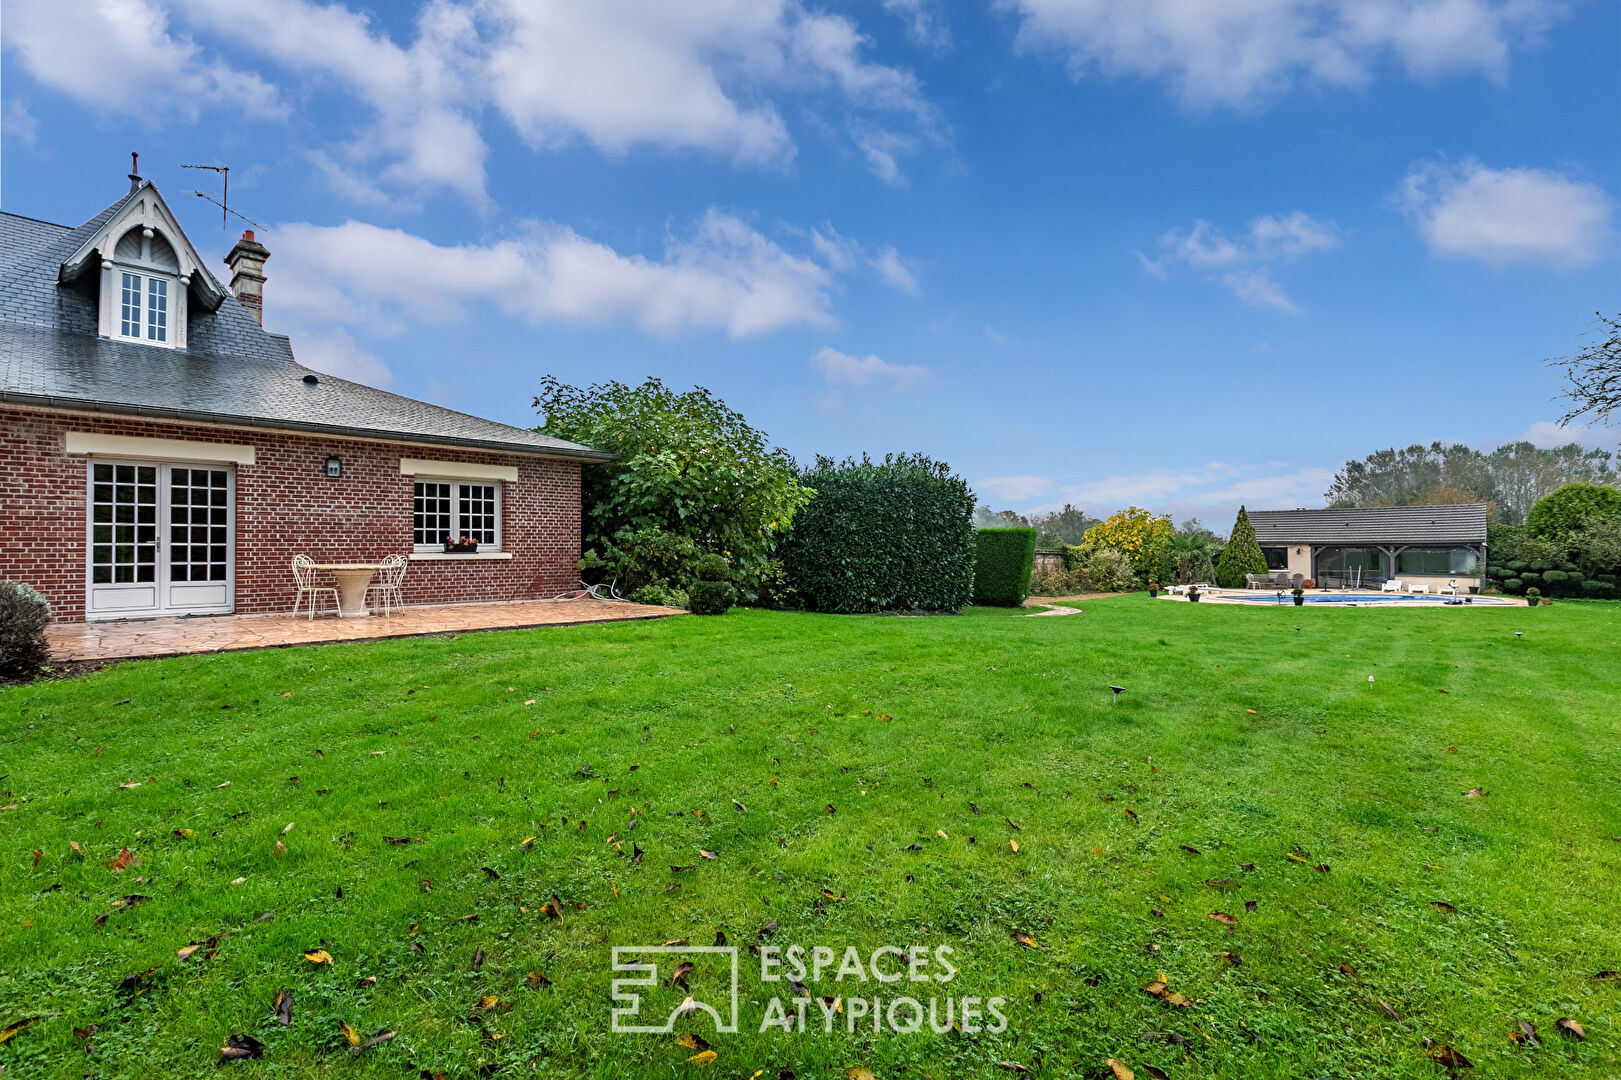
{"type": "Point", "coordinates": [247, 263]}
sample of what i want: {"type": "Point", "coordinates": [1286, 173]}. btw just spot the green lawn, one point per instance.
{"type": "Point", "coordinates": [1240, 740]}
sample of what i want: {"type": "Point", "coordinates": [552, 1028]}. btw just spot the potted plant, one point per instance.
{"type": "Point", "coordinates": [1310, 583]}
{"type": "Point", "coordinates": [1533, 596]}
{"type": "Point", "coordinates": [1153, 588]}
{"type": "Point", "coordinates": [1299, 595]}
{"type": "Point", "coordinates": [1193, 593]}
{"type": "Point", "coordinates": [466, 545]}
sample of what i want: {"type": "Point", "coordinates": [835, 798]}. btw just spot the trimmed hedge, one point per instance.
{"type": "Point", "coordinates": [710, 597]}
{"type": "Point", "coordinates": [895, 534]}
{"type": "Point", "coordinates": [1002, 562]}
{"type": "Point", "coordinates": [1513, 585]}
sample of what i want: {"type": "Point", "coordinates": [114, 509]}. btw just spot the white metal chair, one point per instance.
{"type": "Point", "coordinates": [304, 579]}
{"type": "Point", "coordinates": [388, 585]}
{"type": "Point", "coordinates": [1393, 585]}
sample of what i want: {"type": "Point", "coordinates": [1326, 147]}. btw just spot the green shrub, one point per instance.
{"type": "Point", "coordinates": [895, 534]}
{"type": "Point", "coordinates": [711, 597]}
{"type": "Point", "coordinates": [1598, 590]}
{"type": "Point", "coordinates": [1609, 579]}
{"type": "Point", "coordinates": [1110, 571]}
{"type": "Point", "coordinates": [1531, 577]}
{"type": "Point", "coordinates": [662, 595]}
{"type": "Point", "coordinates": [1544, 565]}
{"type": "Point", "coordinates": [1513, 585]}
{"type": "Point", "coordinates": [1241, 556]}
{"type": "Point", "coordinates": [24, 614]}
{"type": "Point", "coordinates": [1533, 596]}
{"type": "Point", "coordinates": [1075, 556]}
{"type": "Point", "coordinates": [1060, 582]}
{"type": "Point", "coordinates": [1002, 559]}
{"type": "Point", "coordinates": [1517, 565]}
{"type": "Point", "coordinates": [1555, 578]}
{"type": "Point", "coordinates": [712, 568]}
{"type": "Point", "coordinates": [1497, 572]}
{"type": "Point", "coordinates": [1556, 516]}
{"type": "Point", "coordinates": [774, 589]}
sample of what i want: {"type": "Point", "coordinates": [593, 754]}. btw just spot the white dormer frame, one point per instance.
{"type": "Point", "coordinates": [145, 210]}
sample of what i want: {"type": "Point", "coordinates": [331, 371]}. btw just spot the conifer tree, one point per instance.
{"type": "Point", "coordinates": [1241, 556]}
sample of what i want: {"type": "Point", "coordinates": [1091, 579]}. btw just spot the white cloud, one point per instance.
{"type": "Point", "coordinates": [1241, 263]}
{"type": "Point", "coordinates": [19, 123]}
{"type": "Point", "coordinates": [841, 368]}
{"type": "Point", "coordinates": [923, 23]}
{"type": "Point", "coordinates": [995, 336]}
{"type": "Point", "coordinates": [1214, 490]}
{"type": "Point", "coordinates": [1013, 488]}
{"type": "Point", "coordinates": [619, 74]}
{"type": "Point", "coordinates": [724, 276]}
{"type": "Point", "coordinates": [1501, 216]}
{"type": "Point", "coordinates": [335, 352]}
{"type": "Point", "coordinates": [119, 56]}
{"type": "Point", "coordinates": [893, 269]}
{"type": "Point", "coordinates": [1241, 53]}
{"type": "Point", "coordinates": [1548, 434]}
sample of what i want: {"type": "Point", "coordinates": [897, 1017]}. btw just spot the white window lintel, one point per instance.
{"type": "Point", "coordinates": [96, 444]}
{"type": "Point", "coordinates": [458, 470]}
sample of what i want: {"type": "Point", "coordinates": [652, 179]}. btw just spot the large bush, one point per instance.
{"type": "Point", "coordinates": [895, 534]}
{"type": "Point", "coordinates": [691, 476]}
{"type": "Point", "coordinates": [1561, 514]}
{"type": "Point", "coordinates": [711, 592]}
{"type": "Point", "coordinates": [1136, 534]}
{"type": "Point", "coordinates": [1002, 560]}
{"type": "Point", "coordinates": [1241, 556]}
{"type": "Point", "coordinates": [24, 614]}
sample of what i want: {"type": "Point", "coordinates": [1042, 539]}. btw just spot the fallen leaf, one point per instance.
{"type": "Point", "coordinates": [349, 1033]}
{"type": "Point", "coordinates": [1528, 1032]}
{"type": "Point", "coordinates": [1476, 793]}
{"type": "Point", "coordinates": [1014, 844]}
{"type": "Point", "coordinates": [1222, 883]}
{"type": "Point", "coordinates": [366, 983]}
{"type": "Point", "coordinates": [131, 983]}
{"type": "Point", "coordinates": [768, 929]}
{"type": "Point", "coordinates": [1445, 1055]}
{"type": "Point", "coordinates": [238, 1047]}
{"type": "Point", "coordinates": [857, 1073]}
{"type": "Point", "coordinates": [1015, 1067]}
{"type": "Point", "coordinates": [1347, 969]}
{"type": "Point", "coordinates": [1224, 918]}
{"type": "Point", "coordinates": [284, 1007]}
{"type": "Point", "coordinates": [11, 1029]}
{"type": "Point", "coordinates": [536, 979]}
{"type": "Point", "coordinates": [1025, 939]}
{"type": "Point", "coordinates": [1232, 958]}
{"type": "Point", "coordinates": [318, 956]}
{"type": "Point", "coordinates": [1119, 1070]}
{"type": "Point", "coordinates": [478, 957]}
{"type": "Point", "coordinates": [124, 860]}
{"type": "Point", "coordinates": [706, 854]}
{"type": "Point", "coordinates": [1156, 1073]}
{"type": "Point", "coordinates": [1570, 1027]}
{"type": "Point", "coordinates": [1250, 906]}
{"type": "Point", "coordinates": [1390, 1010]}
{"type": "Point", "coordinates": [1442, 905]}
{"type": "Point", "coordinates": [692, 1042]}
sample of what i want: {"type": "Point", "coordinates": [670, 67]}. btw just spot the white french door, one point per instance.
{"type": "Point", "coordinates": [159, 539]}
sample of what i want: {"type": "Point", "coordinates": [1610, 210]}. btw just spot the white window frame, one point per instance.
{"type": "Point", "coordinates": [143, 274]}
{"type": "Point", "coordinates": [457, 483]}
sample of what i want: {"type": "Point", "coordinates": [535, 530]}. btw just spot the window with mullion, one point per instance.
{"type": "Point", "coordinates": [129, 310]}
{"type": "Point", "coordinates": [454, 509]}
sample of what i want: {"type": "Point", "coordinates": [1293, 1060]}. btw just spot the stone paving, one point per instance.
{"type": "Point", "coordinates": [127, 638]}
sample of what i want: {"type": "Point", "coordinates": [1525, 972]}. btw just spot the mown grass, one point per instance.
{"type": "Point", "coordinates": [1239, 736]}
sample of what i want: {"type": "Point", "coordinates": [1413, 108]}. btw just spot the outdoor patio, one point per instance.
{"type": "Point", "coordinates": [133, 638]}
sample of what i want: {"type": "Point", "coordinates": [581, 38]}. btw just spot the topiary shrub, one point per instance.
{"type": "Point", "coordinates": [1598, 590]}
{"type": "Point", "coordinates": [1517, 565]}
{"type": "Point", "coordinates": [660, 595]}
{"type": "Point", "coordinates": [24, 614]}
{"type": "Point", "coordinates": [1558, 515]}
{"type": "Point", "coordinates": [1533, 596]}
{"type": "Point", "coordinates": [1497, 572]}
{"type": "Point", "coordinates": [1555, 578]}
{"type": "Point", "coordinates": [1241, 556]}
{"type": "Point", "coordinates": [712, 567]}
{"type": "Point", "coordinates": [1002, 560]}
{"type": "Point", "coordinates": [895, 534]}
{"type": "Point", "coordinates": [711, 597]}
{"type": "Point", "coordinates": [1513, 585]}
{"type": "Point", "coordinates": [1531, 577]}
{"type": "Point", "coordinates": [1544, 565]}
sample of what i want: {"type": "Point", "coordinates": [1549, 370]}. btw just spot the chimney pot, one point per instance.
{"type": "Point", "coordinates": [247, 263]}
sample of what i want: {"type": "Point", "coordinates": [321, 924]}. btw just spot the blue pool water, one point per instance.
{"type": "Point", "coordinates": [1362, 598]}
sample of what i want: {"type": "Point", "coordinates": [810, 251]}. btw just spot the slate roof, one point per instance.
{"type": "Point", "coordinates": [231, 371]}
{"type": "Point", "coordinates": [1440, 526]}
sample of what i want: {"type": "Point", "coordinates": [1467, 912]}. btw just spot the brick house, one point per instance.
{"type": "Point", "coordinates": [166, 455]}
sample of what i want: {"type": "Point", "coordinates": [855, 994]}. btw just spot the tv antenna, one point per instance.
{"type": "Point", "coordinates": [225, 195]}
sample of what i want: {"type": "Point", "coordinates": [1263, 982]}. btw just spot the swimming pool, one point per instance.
{"type": "Point", "coordinates": [1362, 599]}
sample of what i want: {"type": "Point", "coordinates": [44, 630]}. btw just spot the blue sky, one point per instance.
{"type": "Point", "coordinates": [1099, 251]}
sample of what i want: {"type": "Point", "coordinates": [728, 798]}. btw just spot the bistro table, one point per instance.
{"type": "Point", "coordinates": [353, 578]}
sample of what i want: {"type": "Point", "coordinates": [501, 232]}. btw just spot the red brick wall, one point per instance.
{"type": "Point", "coordinates": [285, 504]}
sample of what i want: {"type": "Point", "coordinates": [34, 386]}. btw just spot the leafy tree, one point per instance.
{"type": "Point", "coordinates": [1593, 373]}
{"type": "Point", "coordinates": [1512, 477]}
{"type": "Point", "coordinates": [1558, 516]}
{"type": "Point", "coordinates": [1186, 556]}
{"type": "Point", "coordinates": [1241, 556]}
{"type": "Point", "coordinates": [1060, 528]}
{"type": "Point", "coordinates": [691, 477]}
{"type": "Point", "coordinates": [1133, 532]}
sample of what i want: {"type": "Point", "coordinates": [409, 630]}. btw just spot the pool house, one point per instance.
{"type": "Point", "coordinates": [1370, 546]}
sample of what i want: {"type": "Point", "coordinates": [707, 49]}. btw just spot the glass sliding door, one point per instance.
{"type": "Point", "coordinates": [1349, 565]}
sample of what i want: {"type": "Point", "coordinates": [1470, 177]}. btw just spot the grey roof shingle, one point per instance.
{"type": "Point", "coordinates": [231, 371]}
{"type": "Point", "coordinates": [1372, 525]}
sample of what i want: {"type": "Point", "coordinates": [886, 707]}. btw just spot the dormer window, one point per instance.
{"type": "Point", "coordinates": [148, 284]}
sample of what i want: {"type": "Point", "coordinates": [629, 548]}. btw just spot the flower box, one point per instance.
{"type": "Point", "coordinates": [453, 548]}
